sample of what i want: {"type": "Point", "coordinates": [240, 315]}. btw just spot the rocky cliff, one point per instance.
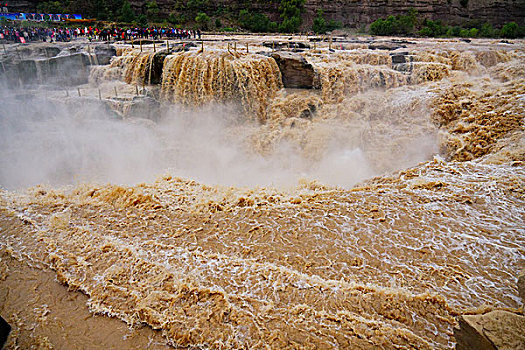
{"type": "Point", "coordinates": [353, 13]}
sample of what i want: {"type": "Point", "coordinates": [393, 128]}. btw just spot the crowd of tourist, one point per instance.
{"type": "Point", "coordinates": [24, 35]}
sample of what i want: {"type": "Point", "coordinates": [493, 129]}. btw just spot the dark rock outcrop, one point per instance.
{"type": "Point", "coordinates": [295, 70]}
{"type": "Point", "coordinates": [154, 68]}
{"type": "Point", "coordinates": [400, 58]}
{"type": "Point", "coordinates": [279, 45]}
{"type": "Point", "coordinates": [104, 53]}
{"type": "Point", "coordinates": [390, 46]}
{"type": "Point", "coordinates": [68, 70]}
{"type": "Point", "coordinates": [64, 70]}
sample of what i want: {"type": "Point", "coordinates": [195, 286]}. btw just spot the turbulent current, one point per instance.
{"type": "Point", "coordinates": [234, 213]}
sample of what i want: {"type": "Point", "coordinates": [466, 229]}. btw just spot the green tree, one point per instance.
{"type": "Point", "coordinates": [126, 14]}
{"type": "Point", "coordinates": [290, 25]}
{"type": "Point", "coordinates": [172, 18]}
{"type": "Point", "coordinates": [255, 22]}
{"type": "Point", "coordinates": [433, 28]}
{"type": "Point", "coordinates": [194, 7]}
{"type": "Point", "coordinates": [510, 30]}
{"type": "Point", "coordinates": [202, 20]}
{"type": "Point", "coordinates": [332, 25]}
{"type": "Point", "coordinates": [291, 8]}
{"type": "Point", "coordinates": [383, 26]}
{"type": "Point", "coordinates": [486, 31]}
{"type": "Point", "coordinates": [50, 7]}
{"type": "Point", "coordinates": [397, 25]}
{"type": "Point", "coordinates": [142, 20]}
{"type": "Point", "coordinates": [291, 14]}
{"type": "Point", "coordinates": [406, 24]}
{"type": "Point", "coordinates": [453, 31]}
{"type": "Point", "coordinates": [464, 33]}
{"type": "Point", "coordinates": [319, 25]}
{"type": "Point", "coordinates": [245, 18]}
{"type": "Point", "coordinates": [152, 10]}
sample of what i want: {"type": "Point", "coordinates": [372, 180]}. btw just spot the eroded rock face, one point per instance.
{"type": "Point", "coordinates": [353, 13]}
{"type": "Point", "coordinates": [104, 53]}
{"type": "Point", "coordinates": [496, 330]}
{"type": "Point", "coordinates": [66, 70]}
{"type": "Point", "coordinates": [296, 71]}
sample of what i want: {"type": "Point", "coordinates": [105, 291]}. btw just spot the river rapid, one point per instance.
{"type": "Point", "coordinates": [367, 213]}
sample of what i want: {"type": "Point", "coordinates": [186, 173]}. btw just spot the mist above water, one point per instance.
{"type": "Point", "coordinates": [61, 142]}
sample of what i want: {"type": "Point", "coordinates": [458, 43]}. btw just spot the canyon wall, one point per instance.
{"type": "Point", "coordinates": [351, 13]}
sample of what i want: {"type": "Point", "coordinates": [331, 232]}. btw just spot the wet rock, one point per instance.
{"type": "Point", "coordinates": [403, 41]}
{"type": "Point", "coordinates": [68, 70]}
{"type": "Point", "coordinates": [144, 42]}
{"type": "Point", "coordinates": [18, 53]}
{"type": "Point", "coordinates": [48, 51]}
{"type": "Point", "coordinates": [405, 67]}
{"type": "Point", "coordinates": [521, 285]}
{"type": "Point", "coordinates": [496, 330]}
{"type": "Point", "coordinates": [154, 68]}
{"type": "Point", "coordinates": [295, 70]}
{"type": "Point", "coordinates": [104, 53]}
{"type": "Point", "coordinates": [390, 46]}
{"type": "Point", "coordinates": [298, 45]}
{"type": "Point", "coordinates": [65, 70]}
{"type": "Point", "coordinates": [278, 45]}
{"type": "Point", "coordinates": [178, 47]}
{"type": "Point", "coordinates": [143, 107]}
{"type": "Point", "coordinates": [98, 106]}
{"type": "Point", "coordinates": [5, 329]}
{"type": "Point", "coordinates": [309, 111]}
{"type": "Point", "coordinates": [401, 57]}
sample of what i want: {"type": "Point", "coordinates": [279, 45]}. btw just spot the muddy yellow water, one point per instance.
{"type": "Point", "coordinates": [385, 259]}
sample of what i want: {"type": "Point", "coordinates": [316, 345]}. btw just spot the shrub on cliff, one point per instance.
{"type": "Point", "coordinates": [510, 30]}
{"type": "Point", "coordinates": [486, 31]}
{"type": "Point", "coordinates": [126, 14]}
{"type": "Point", "coordinates": [290, 25]}
{"type": "Point", "coordinates": [152, 11]}
{"type": "Point", "coordinates": [256, 22]}
{"type": "Point", "coordinates": [142, 20]}
{"type": "Point", "coordinates": [202, 20]}
{"type": "Point", "coordinates": [395, 25]}
{"type": "Point", "coordinates": [332, 25]}
{"type": "Point", "coordinates": [291, 14]}
{"type": "Point", "coordinates": [319, 25]}
{"type": "Point", "coordinates": [50, 7]}
{"type": "Point", "coordinates": [194, 7]}
{"type": "Point", "coordinates": [433, 28]}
